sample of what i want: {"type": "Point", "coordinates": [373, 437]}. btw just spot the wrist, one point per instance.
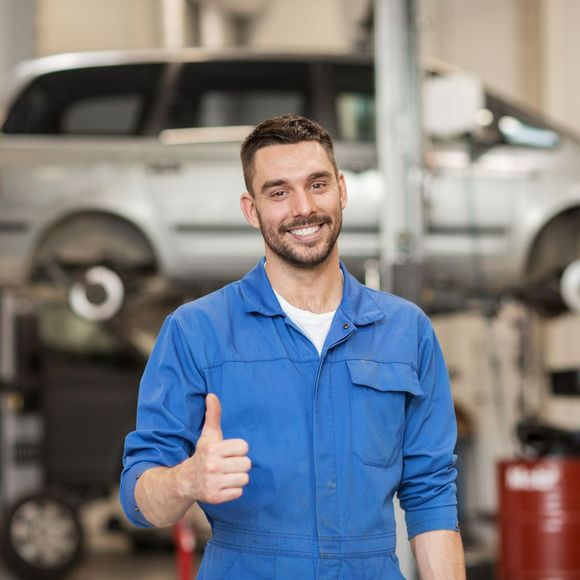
{"type": "Point", "coordinates": [182, 482]}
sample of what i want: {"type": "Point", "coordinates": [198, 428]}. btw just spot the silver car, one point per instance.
{"type": "Point", "coordinates": [121, 167]}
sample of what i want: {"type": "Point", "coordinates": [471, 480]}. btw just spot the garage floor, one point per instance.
{"type": "Point", "coordinates": [121, 565]}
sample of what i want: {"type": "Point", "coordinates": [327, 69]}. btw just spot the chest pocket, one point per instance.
{"type": "Point", "coordinates": [378, 395]}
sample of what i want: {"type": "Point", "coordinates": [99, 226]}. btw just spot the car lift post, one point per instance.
{"type": "Point", "coordinates": [399, 145]}
{"type": "Point", "coordinates": [400, 161]}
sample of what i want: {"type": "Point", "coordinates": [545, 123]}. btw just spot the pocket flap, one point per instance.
{"type": "Point", "coordinates": [385, 376]}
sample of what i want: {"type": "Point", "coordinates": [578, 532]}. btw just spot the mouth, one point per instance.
{"type": "Point", "coordinates": [306, 232]}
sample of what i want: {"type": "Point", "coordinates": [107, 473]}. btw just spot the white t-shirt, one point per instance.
{"type": "Point", "coordinates": [314, 326]}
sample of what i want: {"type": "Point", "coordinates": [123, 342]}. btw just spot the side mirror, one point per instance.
{"type": "Point", "coordinates": [451, 104]}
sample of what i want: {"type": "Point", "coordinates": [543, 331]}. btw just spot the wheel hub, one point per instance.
{"type": "Point", "coordinates": [570, 286]}
{"type": "Point", "coordinates": [98, 296]}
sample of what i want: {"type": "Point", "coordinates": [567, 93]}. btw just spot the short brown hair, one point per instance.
{"type": "Point", "coordinates": [283, 130]}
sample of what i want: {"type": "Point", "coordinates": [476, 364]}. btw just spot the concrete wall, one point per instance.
{"type": "Point", "coordinates": [477, 35]}
{"type": "Point", "coordinates": [562, 65]}
{"type": "Point", "coordinates": [304, 25]}
{"type": "Point", "coordinates": [72, 25]}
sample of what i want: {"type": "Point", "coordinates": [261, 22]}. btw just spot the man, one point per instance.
{"type": "Point", "coordinates": [295, 402]}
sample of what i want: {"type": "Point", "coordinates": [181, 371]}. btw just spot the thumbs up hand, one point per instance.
{"type": "Point", "coordinates": [218, 470]}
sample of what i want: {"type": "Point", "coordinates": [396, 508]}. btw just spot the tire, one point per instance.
{"type": "Point", "coordinates": [41, 538]}
{"type": "Point", "coordinates": [552, 284]}
{"type": "Point", "coordinates": [97, 260]}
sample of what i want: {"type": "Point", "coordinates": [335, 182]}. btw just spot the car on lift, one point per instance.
{"type": "Point", "coordinates": [118, 169]}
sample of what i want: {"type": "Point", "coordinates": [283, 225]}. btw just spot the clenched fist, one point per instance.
{"type": "Point", "coordinates": [218, 470]}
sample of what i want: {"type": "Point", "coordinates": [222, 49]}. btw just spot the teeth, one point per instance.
{"type": "Point", "coordinates": [306, 231]}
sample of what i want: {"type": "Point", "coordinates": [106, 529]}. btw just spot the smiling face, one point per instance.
{"type": "Point", "coordinates": [297, 203]}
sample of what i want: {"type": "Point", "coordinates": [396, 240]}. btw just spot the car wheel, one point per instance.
{"type": "Point", "coordinates": [96, 260]}
{"type": "Point", "coordinates": [553, 285]}
{"type": "Point", "coordinates": [41, 538]}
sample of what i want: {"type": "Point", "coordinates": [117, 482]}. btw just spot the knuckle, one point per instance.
{"type": "Point", "coordinates": [211, 467]}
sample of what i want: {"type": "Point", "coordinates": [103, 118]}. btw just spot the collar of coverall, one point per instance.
{"type": "Point", "coordinates": [357, 303]}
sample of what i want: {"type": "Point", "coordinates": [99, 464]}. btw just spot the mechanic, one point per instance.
{"type": "Point", "coordinates": [294, 403]}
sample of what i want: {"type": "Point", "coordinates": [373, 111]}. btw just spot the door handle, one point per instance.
{"type": "Point", "coordinates": [165, 166]}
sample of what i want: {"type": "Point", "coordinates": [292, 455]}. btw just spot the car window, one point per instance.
{"type": "Point", "coordinates": [502, 123]}
{"type": "Point", "coordinates": [213, 94]}
{"type": "Point", "coordinates": [224, 108]}
{"type": "Point", "coordinates": [107, 100]}
{"type": "Point", "coordinates": [518, 132]}
{"type": "Point", "coordinates": [113, 115]}
{"type": "Point", "coordinates": [355, 102]}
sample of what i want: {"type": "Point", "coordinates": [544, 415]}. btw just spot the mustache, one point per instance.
{"type": "Point", "coordinates": [305, 222]}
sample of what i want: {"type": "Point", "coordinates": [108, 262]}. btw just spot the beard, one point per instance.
{"type": "Point", "coordinates": [302, 255]}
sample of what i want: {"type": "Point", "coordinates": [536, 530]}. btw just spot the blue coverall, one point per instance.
{"type": "Point", "coordinates": [331, 437]}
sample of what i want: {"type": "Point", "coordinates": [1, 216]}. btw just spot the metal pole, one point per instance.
{"type": "Point", "coordinates": [212, 24]}
{"type": "Point", "coordinates": [173, 19]}
{"type": "Point", "coordinates": [399, 143]}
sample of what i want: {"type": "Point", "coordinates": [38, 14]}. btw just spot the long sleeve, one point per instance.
{"type": "Point", "coordinates": [169, 414]}
{"type": "Point", "coordinates": [427, 492]}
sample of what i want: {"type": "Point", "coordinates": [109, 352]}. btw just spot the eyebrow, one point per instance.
{"type": "Point", "coordinates": [278, 182]}
{"type": "Point", "coordinates": [272, 183]}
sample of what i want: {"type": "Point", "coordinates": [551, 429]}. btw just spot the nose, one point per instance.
{"type": "Point", "coordinates": [303, 203]}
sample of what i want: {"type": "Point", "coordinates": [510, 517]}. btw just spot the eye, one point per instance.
{"type": "Point", "coordinates": [318, 185]}
{"type": "Point", "coordinates": [280, 193]}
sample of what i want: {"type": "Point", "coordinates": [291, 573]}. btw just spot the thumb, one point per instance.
{"type": "Point", "coordinates": [213, 412]}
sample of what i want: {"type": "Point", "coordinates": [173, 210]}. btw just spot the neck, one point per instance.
{"type": "Point", "coordinates": [317, 289]}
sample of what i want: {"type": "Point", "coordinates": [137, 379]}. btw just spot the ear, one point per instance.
{"type": "Point", "coordinates": [248, 205]}
{"type": "Point", "coordinates": [342, 190]}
